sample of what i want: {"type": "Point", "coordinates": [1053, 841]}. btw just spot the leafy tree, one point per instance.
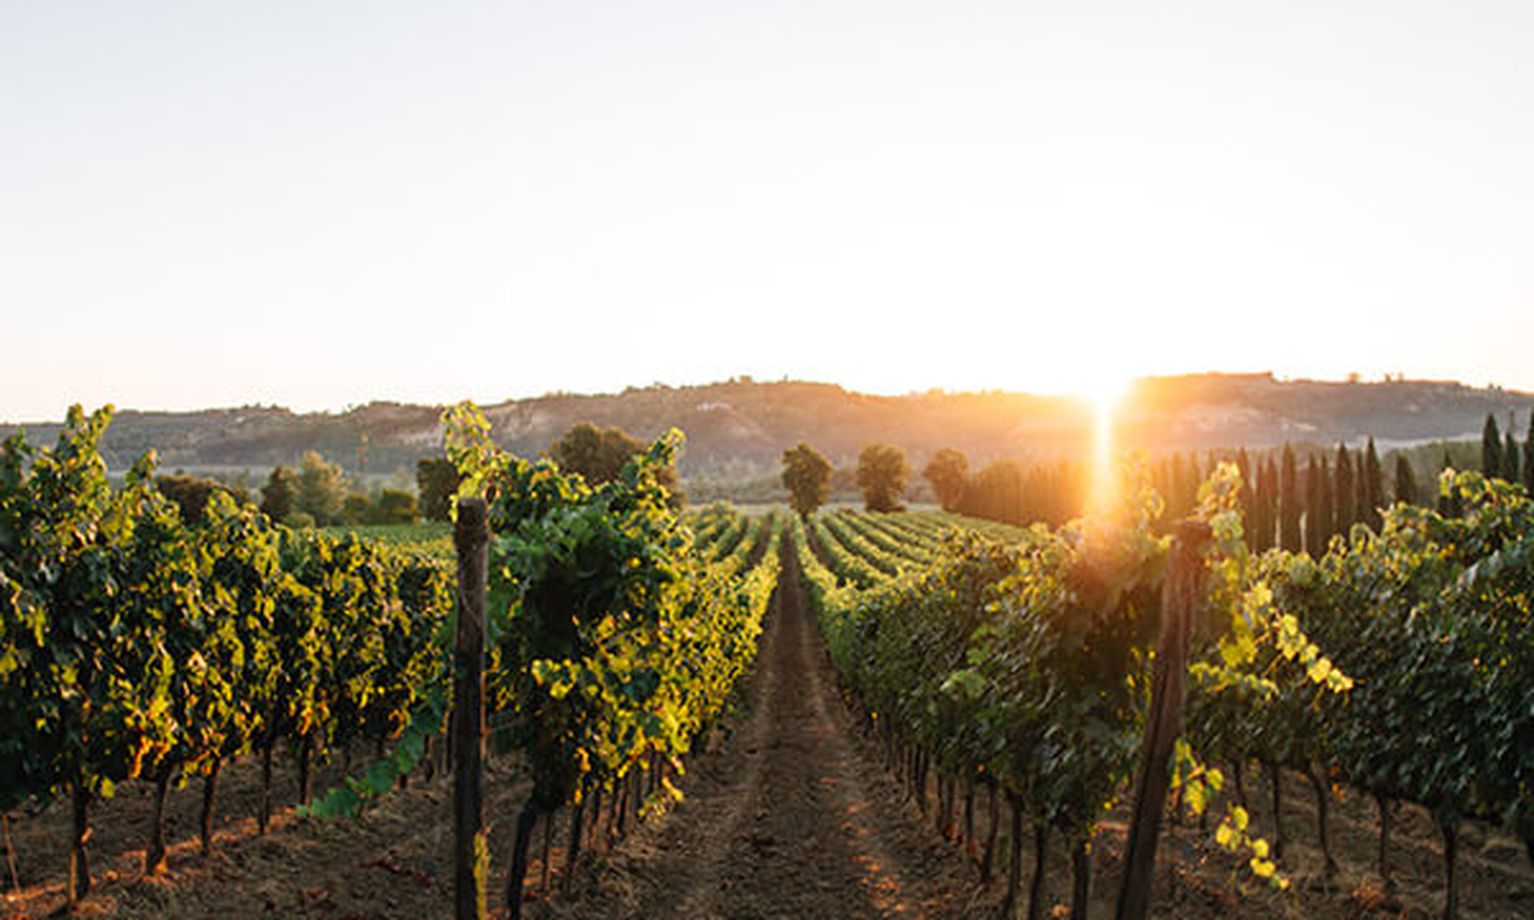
{"type": "Point", "coordinates": [436, 479]}
{"type": "Point", "coordinates": [882, 472]}
{"type": "Point", "coordinates": [395, 506]}
{"type": "Point", "coordinates": [948, 472]}
{"type": "Point", "coordinates": [599, 454]}
{"type": "Point", "coordinates": [1491, 448]}
{"type": "Point", "coordinates": [1289, 503]}
{"type": "Point", "coordinates": [321, 488]}
{"type": "Point", "coordinates": [1406, 483]}
{"type": "Point", "coordinates": [357, 509]}
{"type": "Point", "coordinates": [596, 453]}
{"type": "Point", "coordinates": [191, 493]}
{"type": "Point", "coordinates": [279, 493]}
{"type": "Point", "coordinates": [807, 476]}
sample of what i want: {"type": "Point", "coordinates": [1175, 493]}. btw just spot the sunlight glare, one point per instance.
{"type": "Point", "coordinates": [1104, 392]}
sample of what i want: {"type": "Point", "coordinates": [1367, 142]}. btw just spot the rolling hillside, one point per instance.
{"type": "Point", "coordinates": [737, 430]}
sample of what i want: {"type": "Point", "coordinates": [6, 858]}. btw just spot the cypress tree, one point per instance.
{"type": "Point", "coordinates": [1406, 483]}
{"type": "Point", "coordinates": [1510, 457]}
{"type": "Point", "coordinates": [1344, 505]}
{"type": "Point", "coordinates": [1289, 503]}
{"type": "Point", "coordinates": [1176, 508]}
{"type": "Point", "coordinates": [1491, 448]}
{"type": "Point", "coordinates": [1261, 523]}
{"type": "Point", "coordinates": [1315, 535]}
{"type": "Point", "coordinates": [1371, 488]}
{"type": "Point", "coordinates": [1326, 512]}
{"type": "Point", "coordinates": [1244, 495]}
{"type": "Point", "coordinates": [1528, 456]}
{"type": "Point", "coordinates": [1195, 479]}
{"type": "Point", "coordinates": [1270, 504]}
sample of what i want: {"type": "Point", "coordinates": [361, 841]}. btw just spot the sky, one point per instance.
{"type": "Point", "coordinates": [322, 204]}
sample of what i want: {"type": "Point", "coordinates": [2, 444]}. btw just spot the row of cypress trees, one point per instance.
{"type": "Point", "coordinates": [1292, 508]}
{"type": "Point", "coordinates": [1287, 502]}
{"type": "Point", "coordinates": [1503, 459]}
{"type": "Point", "coordinates": [1302, 509]}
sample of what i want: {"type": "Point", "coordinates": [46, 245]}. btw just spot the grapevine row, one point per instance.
{"type": "Point", "coordinates": [134, 646]}
{"type": "Point", "coordinates": [1019, 666]}
{"type": "Point", "coordinates": [618, 644]}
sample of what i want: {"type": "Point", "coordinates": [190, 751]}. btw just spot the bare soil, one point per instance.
{"type": "Point", "coordinates": [790, 813]}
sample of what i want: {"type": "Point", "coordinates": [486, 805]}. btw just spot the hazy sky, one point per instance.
{"type": "Point", "coordinates": [319, 204]}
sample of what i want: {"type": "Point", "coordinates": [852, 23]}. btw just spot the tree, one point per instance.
{"type": "Point", "coordinates": [1491, 448]}
{"type": "Point", "coordinates": [357, 509]}
{"type": "Point", "coordinates": [395, 506]}
{"type": "Point", "coordinates": [1318, 505]}
{"type": "Point", "coordinates": [1265, 506]}
{"type": "Point", "coordinates": [1244, 496]}
{"type": "Point", "coordinates": [948, 472]}
{"type": "Point", "coordinates": [279, 493]}
{"type": "Point", "coordinates": [436, 479]}
{"type": "Point", "coordinates": [321, 490]}
{"type": "Point", "coordinates": [1510, 457]}
{"type": "Point", "coordinates": [882, 472]}
{"type": "Point", "coordinates": [1177, 503]}
{"type": "Point", "coordinates": [599, 454]}
{"type": "Point", "coordinates": [996, 493]}
{"type": "Point", "coordinates": [807, 476]}
{"type": "Point", "coordinates": [1289, 503]}
{"type": "Point", "coordinates": [1195, 479]}
{"type": "Point", "coordinates": [1371, 488]}
{"type": "Point", "coordinates": [1528, 456]}
{"type": "Point", "coordinates": [1406, 483]}
{"type": "Point", "coordinates": [1345, 507]}
{"type": "Point", "coordinates": [191, 493]}
{"type": "Point", "coordinates": [596, 453]}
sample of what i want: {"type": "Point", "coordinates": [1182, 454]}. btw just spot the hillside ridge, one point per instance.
{"type": "Point", "coordinates": [737, 429]}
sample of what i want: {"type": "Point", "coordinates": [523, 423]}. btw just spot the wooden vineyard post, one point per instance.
{"type": "Point", "coordinates": [1179, 602]}
{"type": "Point", "coordinates": [470, 853]}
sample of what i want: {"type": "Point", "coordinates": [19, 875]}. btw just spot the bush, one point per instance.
{"type": "Point", "coordinates": [395, 506]}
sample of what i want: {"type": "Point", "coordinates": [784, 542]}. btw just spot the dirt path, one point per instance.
{"type": "Point", "coordinates": [793, 820]}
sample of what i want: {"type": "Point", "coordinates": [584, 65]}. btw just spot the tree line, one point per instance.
{"type": "Point", "coordinates": [1288, 501]}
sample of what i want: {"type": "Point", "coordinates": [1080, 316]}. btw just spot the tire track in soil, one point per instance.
{"type": "Point", "coordinates": [792, 820]}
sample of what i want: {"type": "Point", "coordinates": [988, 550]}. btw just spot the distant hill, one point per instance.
{"type": "Point", "coordinates": [737, 430]}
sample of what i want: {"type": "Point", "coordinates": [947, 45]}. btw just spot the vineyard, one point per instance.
{"type": "Point", "coordinates": [135, 648]}
{"type": "Point", "coordinates": [1006, 682]}
{"type": "Point", "coordinates": [997, 663]}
